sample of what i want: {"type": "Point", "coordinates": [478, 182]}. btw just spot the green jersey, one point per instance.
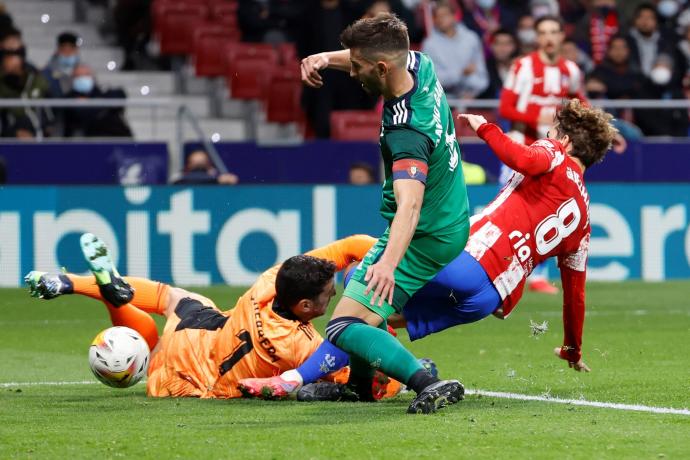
{"type": "Point", "coordinates": [418, 142]}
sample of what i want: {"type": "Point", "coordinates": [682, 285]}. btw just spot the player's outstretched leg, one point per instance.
{"type": "Point", "coordinates": [113, 288]}
{"type": "Point", "coordinates": [47, 285]}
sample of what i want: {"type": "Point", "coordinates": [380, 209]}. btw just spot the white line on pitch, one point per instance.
{"type": "Point", "coordinates": [580, 402]}
{"type": "Point", "coordinates": [49, 384]}
{"type": "Point", "coordinates": [492, 394]}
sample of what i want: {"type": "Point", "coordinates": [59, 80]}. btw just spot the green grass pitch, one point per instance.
{"type": "Point", "coordinates": [636, 342]}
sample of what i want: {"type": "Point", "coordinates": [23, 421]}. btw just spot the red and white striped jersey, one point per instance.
{"type": "Point", "coordinates": [542, 212]}
{"type": "Point", "coordinates": [533, 86]}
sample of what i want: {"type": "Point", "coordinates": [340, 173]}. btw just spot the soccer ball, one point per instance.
{"type": "Point", "coordinates": [119, 357]}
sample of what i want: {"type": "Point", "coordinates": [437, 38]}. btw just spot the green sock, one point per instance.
{"type": "Point", "coordinates": [380, 349]}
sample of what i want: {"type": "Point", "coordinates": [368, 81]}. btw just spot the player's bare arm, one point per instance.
{"type": "Point", "coordinates": [312, 65]}
{"type": "Point", "coordinates": [409, 195]}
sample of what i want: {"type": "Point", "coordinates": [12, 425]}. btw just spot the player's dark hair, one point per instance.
{"type": "Point", "coordinates": [589, 129]}
{"type": "Point", "coordinates": [549, 17]}
{"type": "Point", "coordinates": [384, 34]}
{"type": "Point", "coordinates": [302, 277]}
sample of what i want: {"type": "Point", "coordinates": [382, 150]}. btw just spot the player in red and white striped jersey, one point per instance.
{"type": "Point", "coordinates": [542, 212]}
{"type": "Point", "coordinates": [538, 82]}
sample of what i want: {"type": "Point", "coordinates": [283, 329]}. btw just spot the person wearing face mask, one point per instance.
{"type": "Point", "coordinates": [662, 84]}
{"type": "Point", "coordinates": [526, 35]}
{"type": "Point", "coordinates": [93, 121]}
{"type": "Point", "coordinates": [59, 69]}
{"type": "Point", "coordinates": [21, 80]}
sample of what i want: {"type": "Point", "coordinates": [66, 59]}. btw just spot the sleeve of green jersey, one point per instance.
{"type": "Point", "coordinates": [405, 143]}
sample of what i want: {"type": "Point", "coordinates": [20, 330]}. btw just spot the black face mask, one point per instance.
{"type": "Point", "coordinates": [14, 81]}
{"type": "Point", "coordinates": [596, 94]}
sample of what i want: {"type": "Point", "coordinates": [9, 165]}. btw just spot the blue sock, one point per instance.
{"type": "Point", "coordinates": [326, 359]}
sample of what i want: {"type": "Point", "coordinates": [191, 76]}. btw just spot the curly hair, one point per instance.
{"type": "Point", "coordinates": [589, 129]}
{"type": "Point", "coordinates": [302, 277]}
{"type": "Point", "coordinates": [385, 33]}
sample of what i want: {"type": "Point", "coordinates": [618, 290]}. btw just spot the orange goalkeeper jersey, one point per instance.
{"type": "Point", "coordinates": [255, 341]}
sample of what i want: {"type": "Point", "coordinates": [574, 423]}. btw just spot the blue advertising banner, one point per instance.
{"type": "Point", "coordinates": [206, 235]}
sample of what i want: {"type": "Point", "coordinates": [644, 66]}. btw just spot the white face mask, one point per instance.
{"type": "Point", "coordinates": [486, 4]}
{"type": "Point", "coordinates": [527, 36]}
{"type": "Point", "coordinates": [667, 8]}
{"type": "Point", "coordinates": [660, 75]}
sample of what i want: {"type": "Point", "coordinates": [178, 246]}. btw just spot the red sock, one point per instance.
{"type": "Point", "coordinates": [130, 316]}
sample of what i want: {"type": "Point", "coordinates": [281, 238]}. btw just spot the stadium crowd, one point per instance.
{"type": "Point", "coordinates": [628, 49]}
{"type": "Point", "coordinates": [65, 75]}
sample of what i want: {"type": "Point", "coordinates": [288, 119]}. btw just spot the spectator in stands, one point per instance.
{"type": "Point", "coordinates": [132, 21]}
{"type": "Point", "coordinates": [199, 170]}
{"type": "Point", "coordinates": [668, 15]}
{"type": "Point", "coordinates": [661, 84]}
{"type": "Point", "coordinates": [323, 23]}
{"type": "Point", "coordinates": [361, 173]}
{"type": "Point", "coordinates": [683, 56]}
{"type": "Point", "coordinates": [503, 51]}
{"type": "Point", "coordinates": [539, 8]}
{"type": "Point", "coordinates": [572, 52]}
{"type": "Point", "coordinates": [526, 35]}
{"type": "Point", "coordinates": [595, 28]}
{"type": "Point", "coordinates": [59, 69]}
{"type": "Point", "coordinates": [457, 54]}
{"type": "Point", "coordinates": [21, 80]}
{"type": "Point", "coordinates": [94, 121]}
{"type": "Point", "coordinates": [621, 79]}
{"type": "Point", "coordinates": [645, 40]}
{"type": "Point", "coordinates": [6, 22]}
{"type": "Point", "coordinates": [482, 16]}
{"type": "Point", "coordinates": [271, 21]}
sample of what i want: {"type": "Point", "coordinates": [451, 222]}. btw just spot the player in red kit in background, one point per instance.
{"type": "Point", "coordinates": [534, 88]}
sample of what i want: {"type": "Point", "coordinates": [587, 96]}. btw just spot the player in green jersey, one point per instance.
{"type": "Point", "coordinates": [424, 200]}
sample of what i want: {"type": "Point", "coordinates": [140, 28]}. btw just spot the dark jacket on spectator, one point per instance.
{"type": "Point", "coordinates": [96, 121]}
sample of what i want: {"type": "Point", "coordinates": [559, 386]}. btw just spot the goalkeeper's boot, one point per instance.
{"type": "Point", "coordinates": [437, 395]}
{"type": "Point", "coordinates": [113, 288]}
{"type": "Point", "coordinates": [267, 388]}
{"type": "Point", "coordinates": [326, 391]}
{"type": "Point", "coordinates": [47, 286]}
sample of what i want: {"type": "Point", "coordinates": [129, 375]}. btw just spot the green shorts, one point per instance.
{"type": "Point", "coordinates": [424, 258]}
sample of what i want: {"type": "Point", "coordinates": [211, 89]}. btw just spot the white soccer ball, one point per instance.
{"type": "Point", "coordinates": [119, 357]}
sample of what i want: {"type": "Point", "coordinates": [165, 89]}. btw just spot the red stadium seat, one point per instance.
{"type": "Point", "coordinates": [208, 62]}
{"type": "Point", "coordinates": [250, 78]}
{"type": "Point", "coordinates": [255, 51]}
{"type": "Point", "coordinates": [174, 24]}
{"type": "Point", "coordinates": [283, 97]}
{"type": "Point", "coordinates": [224, 13]}
{"type": "Point", "coordinates": [287, 52]}
{"type": "Point", "coordinates": [355, 125]}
